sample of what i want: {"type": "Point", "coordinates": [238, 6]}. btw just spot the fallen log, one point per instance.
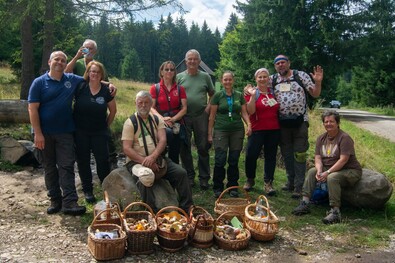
{"type": "Point", "coordinates": [14, 111]}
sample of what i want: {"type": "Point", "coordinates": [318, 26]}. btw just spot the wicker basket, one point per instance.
{"type": "Point", "coordinates": [106, 249]}
{"type": "Point", "coordinates": [168, 241]}
{"type": "Point", "coordinates": [140, 241]}
{"type": "Point", "coordinates": [231, 204]}
{"type": "Point", "coordinates": [227, 244]}
{"type": "Point", "coordinates": [202, 227]}
{"type": "Point", "coordinates": [262, 229]}
{"type": "Point", "coordinates": [110, 217]}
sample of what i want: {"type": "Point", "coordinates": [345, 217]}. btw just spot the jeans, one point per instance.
{"type": "Point", "coordinates": [294, 145]}
{"type": "Point", "coordinates": [199, 126]}
{"type": "Point", "coordinates": [224, 142]}
{"type": "Point", "coordinates": [97, 143]}
{"type": "Point", "coordinates": [58, 163]}
{"type": "Point", "coordinates": [268, 139]}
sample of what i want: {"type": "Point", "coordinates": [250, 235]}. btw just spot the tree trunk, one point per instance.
{"type": "Point", "coordinates": [49, 28]}
{"type": "Point", "coordinates": [14, 111]}
{"type": "Point", "coordinates": [27, 56]}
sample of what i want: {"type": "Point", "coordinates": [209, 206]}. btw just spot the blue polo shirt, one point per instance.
{"type": "Point", "coordinates": [55, 98]}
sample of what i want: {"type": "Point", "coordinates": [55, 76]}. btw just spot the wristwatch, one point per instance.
{"type": "Point", "coordinates": [328, 171]}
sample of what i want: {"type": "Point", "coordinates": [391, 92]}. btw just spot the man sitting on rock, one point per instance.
{"type": "Point", "coordinates": [144, 140]}
{"type": "Point", "coordinates": [335, 163]}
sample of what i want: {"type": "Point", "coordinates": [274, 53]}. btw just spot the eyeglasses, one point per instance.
{"type": "Point", "coordinates": [94, 72]}
{"type": "Point", "coordinates": [169, 69]}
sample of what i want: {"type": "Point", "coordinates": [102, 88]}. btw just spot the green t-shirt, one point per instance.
{"type": "Point", "coordinates": [222, 120]}
{"type": "Point", "coordinates": [196, 87]}
{"type": "Point", "coordinates": [79, 69]}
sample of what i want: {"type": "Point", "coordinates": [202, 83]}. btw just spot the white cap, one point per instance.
{"type": "Point", "coordinates": [145, 174]}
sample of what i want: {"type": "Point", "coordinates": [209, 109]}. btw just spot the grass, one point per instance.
{"type": "Point", "coordinates": [360, 227]}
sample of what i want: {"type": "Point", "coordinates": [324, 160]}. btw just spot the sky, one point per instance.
{"type": "Point", "coordinates": [215, 12]}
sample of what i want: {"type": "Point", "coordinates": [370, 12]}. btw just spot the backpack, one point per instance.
{"type": "Point", "coordinates": [300, 83]}
{"type": "Point", "coordinates": [133, 118]}
{"type": "Point", "coordinates": [157, 89]}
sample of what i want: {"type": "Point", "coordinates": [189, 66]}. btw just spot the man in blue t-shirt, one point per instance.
{"type": "Point", "coordinates": [50, 110]}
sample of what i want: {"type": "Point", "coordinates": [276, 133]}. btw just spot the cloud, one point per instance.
{"type": "Point", "coordinates": [216, 13]}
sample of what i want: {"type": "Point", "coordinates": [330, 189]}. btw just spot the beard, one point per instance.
{"type": "Point", "coordinates": [283, 72]}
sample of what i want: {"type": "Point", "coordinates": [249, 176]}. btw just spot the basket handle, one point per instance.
{"type": "Point", "coordinates": [231, 188]}
{"type": "Point", "coordinates": [191, 237]}
{"type": "Point", "coordinates": [171, 208]}
{"type": "Point", "coordinates": [267, 204]}
{"type": "Point", "coordinates": [136, 204]}
{"type": "Point", "coordinates": [108, 211]}
{"type": "Point", "coordinates": [229, 212]}
{"type": "Point", "coordinates": [194, 208]}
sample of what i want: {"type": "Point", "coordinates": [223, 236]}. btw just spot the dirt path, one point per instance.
{"type": "Point", "coordinates": [28, 234]}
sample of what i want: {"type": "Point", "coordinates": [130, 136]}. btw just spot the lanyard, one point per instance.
{"type": "Point", "coordinates": [230, 105]}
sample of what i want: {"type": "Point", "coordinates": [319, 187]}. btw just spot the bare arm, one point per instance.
{"type": "Point", "coordinates": [70, 66]}
{"type": "Point", "coordinates": [251, 103]}
{"type": "Point", "coordinates": [181, 113]}
{"type": "Point", "coordinates": [112, 107]}
{"type": "Point", "coordinates": [39, 140]}
{"type": "Point", "coordinates": [246, 118]}
{"type": "Point", "coordinates": [210, 96]}
{"type": "Point", "coordinates": [336, 167]}
{"type": "Point", "coordinates": [211, 120]}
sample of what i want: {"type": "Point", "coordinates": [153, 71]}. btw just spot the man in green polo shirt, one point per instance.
{"type": "Point", "coordinates": [199, 89]}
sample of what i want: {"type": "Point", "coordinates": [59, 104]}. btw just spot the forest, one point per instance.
{"type": "Point", "coordinates": [353, 40]}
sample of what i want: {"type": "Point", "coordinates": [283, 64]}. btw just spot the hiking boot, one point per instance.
{"type": "Point", "coordinates": [287, 187]}
{"type": "Point", "coordinates": [204, 184]}
{"type": "Point", "coordinates": [296, 194]}
{"type": "Point", "coordinates": [56, 206]}
{"type": "Point", "coordinates": [191, 182]}
{"type": "Point", "coordinates": [74, 209]}
{"type": "Point", "coordinates": [269, 189]}
{"type": "Point", "coordinates": [301, 209]}
{"type": "Point", "coordinates": [217, 193]}
{"type": "Point", "coordinates": [234, 193]}
{"type": "Point", "coordinates": [333, 217]}
{"type": "Point", "coordinates": [90, 198]}
{"type": "Point", "coordinates": [249, 184]}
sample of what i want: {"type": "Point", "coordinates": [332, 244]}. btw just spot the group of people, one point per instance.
{"type": "Point", "coordinates": [274, 112]}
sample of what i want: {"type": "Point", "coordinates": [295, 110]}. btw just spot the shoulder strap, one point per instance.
{"type": "Point", "coordinates": [133, 118]}
{"type": "Point", "coordinates": [157, 89]}
{"type": "Point", "coordinates": [79, 89]}
{"type": "Point", "coordinates": [297, 79]}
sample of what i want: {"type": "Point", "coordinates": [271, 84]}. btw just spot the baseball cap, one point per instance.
{"type": "Point", "coordinates": [145, 174]}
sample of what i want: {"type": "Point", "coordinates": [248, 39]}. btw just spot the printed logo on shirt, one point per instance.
{"type": "Point", "coordinates": [100, 100]}
{"type": "Point", "coordinates": [67, 84]}
{"type": "Point", "coordinates": [264, 101]}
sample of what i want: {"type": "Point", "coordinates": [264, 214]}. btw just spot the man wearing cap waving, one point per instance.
{"type": "Point", "coordinates": [144, 165]}
{"type": "Point", "coordinates": [290, 87]}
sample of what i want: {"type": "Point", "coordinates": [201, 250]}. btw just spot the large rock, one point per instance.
{"type": "Point", "coordinates": [121, 188]}
{"type": "Point", "coordinates": [11, 149]}
{"type": "Point", "coordinates": [372, 191]}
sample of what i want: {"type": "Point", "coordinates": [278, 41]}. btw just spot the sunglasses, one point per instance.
{"type": "Point", "coordinates": [169, 69]}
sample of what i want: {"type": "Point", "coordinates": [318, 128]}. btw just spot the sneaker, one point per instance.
{"type": "Point", "coordinates": [333, 217]}
{"type": "Point", "coordinates": [269, 189]}
{"type": "Point", "coordinates": [301, 209]}
{"type": "Point", "coordinates": [296, 195]}
{"type": "Point", "coordinates": [249, 184]}
{"type": "Point", "coordinates": [56, 206]}
{"type": "Point", "coordinates": [234, 193]}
